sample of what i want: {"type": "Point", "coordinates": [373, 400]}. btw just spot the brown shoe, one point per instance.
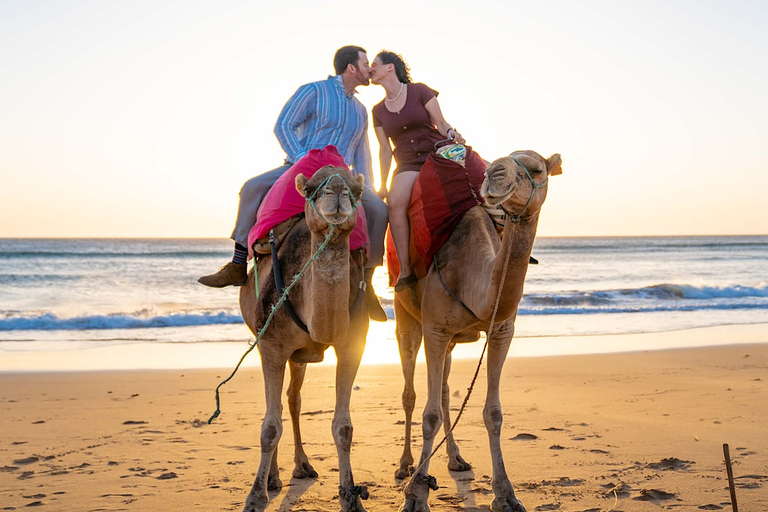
{"type": "Point", "coordinates": [231, 274]}
{"type": "Point", "coordinates": [375, 311]}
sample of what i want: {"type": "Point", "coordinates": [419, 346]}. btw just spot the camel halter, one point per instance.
{"type": "Point", "coordinates": [324, 185]}
{"type": "Point", "coordinates": [534, 187]}
{"type": "Point", "coordinates": [284, 297]}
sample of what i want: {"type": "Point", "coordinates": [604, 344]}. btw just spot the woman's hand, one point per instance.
{"type": "Point", "coordinates": [383, 193]}
{"type": "Point", "coordinates": [455, 136]}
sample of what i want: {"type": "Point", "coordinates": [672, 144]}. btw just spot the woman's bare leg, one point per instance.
{"type": "Point", "coordinates": [398, 200]}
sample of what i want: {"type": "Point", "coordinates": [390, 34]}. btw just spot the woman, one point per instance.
{"type": "Point", "coordinates": [410, 118]}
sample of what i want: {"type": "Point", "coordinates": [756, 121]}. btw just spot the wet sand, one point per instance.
{"type": "Point", "coordinates": [622, 432]}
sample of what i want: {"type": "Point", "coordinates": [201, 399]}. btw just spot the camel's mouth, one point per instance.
{"type": "Point", "coordinates": [335, 208]}
{"type": "Point", "coordinates": [496, 187]}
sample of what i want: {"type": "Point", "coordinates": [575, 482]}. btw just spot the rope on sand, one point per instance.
{"type": "Point", "coordinates": [284, 296]}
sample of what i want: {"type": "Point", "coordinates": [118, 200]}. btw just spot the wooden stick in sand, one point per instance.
{"type": "Point", "coordinates": [728, 468]}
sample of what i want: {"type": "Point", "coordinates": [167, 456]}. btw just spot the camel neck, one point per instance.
{"type": "Point", "coordinates": [514, 253]}
{"type": "Point", "coordinates": [328, 292]}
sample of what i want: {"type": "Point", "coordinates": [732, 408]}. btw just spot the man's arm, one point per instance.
{"type": "Point", "coordinates": [361, 162]}
{"type": "Point", "coordinates": [295, 112]}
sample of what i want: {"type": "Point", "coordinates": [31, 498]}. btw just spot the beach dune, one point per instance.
{"type": "Point", "coordinates": [634, 431]}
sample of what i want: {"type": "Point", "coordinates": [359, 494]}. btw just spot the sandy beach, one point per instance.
{"type": "Point", "coordinates": [607, 432]}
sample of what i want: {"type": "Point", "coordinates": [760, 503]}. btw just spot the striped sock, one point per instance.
{"type": "Point", "coordinates": [368, 275]}
{"type": "Point", "coordinates": [240, 255]}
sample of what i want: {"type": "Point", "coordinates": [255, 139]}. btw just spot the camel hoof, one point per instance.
{"type": "Point", "coordinates": [459, 464]}
{"type": "Point", "coordinates": [305, 470]}
{"type": "Point", "coordinates": [412, 505]}
{"type": "Point", "coordinates": [511, 504]}
{"type": "Point", "coordinates": [404, 472]}
{"type": "Point", "coordinates": [256, 503]}
{"type": "Point", "coordinates": [350, 497]}
{"type": "Point", "coordinates": [274, 483]}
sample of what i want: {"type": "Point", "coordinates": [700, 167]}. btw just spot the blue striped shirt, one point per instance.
{"type": "Point", "coordinates": [321, 113]}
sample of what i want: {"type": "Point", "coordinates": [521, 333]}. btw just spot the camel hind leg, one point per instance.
{"type": "Point", "coordinates": [455, 460]}
{"type": "Point", "coordinates": [302, 468]}
{"type": "Point", "coordinates": [416, 490]}
{"type": "Point", "coordinates": [408, 332]}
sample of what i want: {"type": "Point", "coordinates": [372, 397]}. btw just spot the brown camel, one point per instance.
{"type": "Point", "coordinates": [458, 299]}
{"type": "Point", "coordinates": [329, 300]}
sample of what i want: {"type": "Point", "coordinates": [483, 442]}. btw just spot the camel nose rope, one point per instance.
{"type": "Point", "coordinates": [296, 278]}
{"type": "Point", "coordinates": [477, 370]}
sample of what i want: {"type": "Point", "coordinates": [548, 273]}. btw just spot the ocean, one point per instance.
{"type": "Point", "coordinates": [58, 294]}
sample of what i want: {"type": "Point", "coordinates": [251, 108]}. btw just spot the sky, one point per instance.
{"type": "Point", "coordinates": [143, 118]}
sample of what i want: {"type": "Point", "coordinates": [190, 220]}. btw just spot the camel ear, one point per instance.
{"type": "Point", "coordinates": [361, 182]}
{"type": "Point", "coordinates": [301, 182]}
{"type": "Point", "coordinates": [554, 165]}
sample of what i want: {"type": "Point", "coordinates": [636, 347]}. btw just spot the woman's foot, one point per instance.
{"type": "Point", "coordinates": [406, 282]}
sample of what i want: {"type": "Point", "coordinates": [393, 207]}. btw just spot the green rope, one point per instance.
{"type": "Point", "coordinates": [284, 296]}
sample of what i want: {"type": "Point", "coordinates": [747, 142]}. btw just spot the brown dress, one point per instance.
{"type": "Point", "coordinates": [411, 129]}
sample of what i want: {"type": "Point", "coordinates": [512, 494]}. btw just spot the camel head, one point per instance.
{"type": "Point", "coordinates": [518, 182]}
{"type": "Point", "coordinates": [332, 195]}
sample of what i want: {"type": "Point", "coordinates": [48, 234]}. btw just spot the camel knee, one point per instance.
{"type": "Point", "coordinates": [431, 422]}
{"type": "Point", "coordinates": [493, 418]}
{"type": "Point", "coordinates": [270, 436]}
{"type": "Point", "coordinates": [342, 434]}
{"type": "Point", "coordinates": [294, 401]}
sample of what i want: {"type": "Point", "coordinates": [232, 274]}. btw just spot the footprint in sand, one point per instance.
{"type": "Point", "coordinates": [654, 495]}
{"type": "Point", "coordinates": [750, 481]}
{"type": "Point", "coordinates": [524, 437]}
{"type": "Point", "coordinates": [671, 463]}
{"type": "Point", "coordinates": [619, 490]}
{"type": "Point", "coordinates": [26, 461]}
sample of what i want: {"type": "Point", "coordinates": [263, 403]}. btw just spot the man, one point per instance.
{"type": "Point", "coordinates": [318, 114]}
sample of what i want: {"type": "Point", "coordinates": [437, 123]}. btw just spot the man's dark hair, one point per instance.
{"type": "Point", "coordinates": [402, 70]}
{"type": "Point", "coordinates": [345, 56]}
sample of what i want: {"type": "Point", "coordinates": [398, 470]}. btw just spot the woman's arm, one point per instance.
{"type": "Point", "coordinates": [436, 115]}
{"type": "Point", "coordinates": [385, 159]}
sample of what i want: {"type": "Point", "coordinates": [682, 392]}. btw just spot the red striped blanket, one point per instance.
{"type": "Point", "coordinates": [442, 194]}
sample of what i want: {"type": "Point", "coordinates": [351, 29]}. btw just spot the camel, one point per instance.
{"type": "Point", "coordinates": [329, 300]}
{"type": "Point", "coordinates": [477, 270]}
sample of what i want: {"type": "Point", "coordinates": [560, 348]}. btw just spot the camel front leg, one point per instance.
{"type": "Point", "coordinates": [271, 431]}
{"type": "Point", "coordinates": [302, 468]}
{"type": "Point", "coordinates": [346, 369]}
{"type": "Point", "coordinates": [455, 460]}
{"type": "Point", "coordinates": [408, 332]}
{"type": "Point", "coordinates": [416, 491]}
{"type": "Point", "coordinates": [504, 495]}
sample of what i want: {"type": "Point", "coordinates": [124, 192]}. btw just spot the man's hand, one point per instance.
{"type": "Point", "coordinates": [383, 193]}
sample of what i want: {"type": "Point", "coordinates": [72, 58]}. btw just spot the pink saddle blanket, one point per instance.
{"type": "Point", "coordinates": [283, 200]}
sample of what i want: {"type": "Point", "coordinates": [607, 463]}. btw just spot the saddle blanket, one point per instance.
{"type": "Point", "coordinates": [283, 200]}
{"type": "Point", "coordinates": [442, 194]}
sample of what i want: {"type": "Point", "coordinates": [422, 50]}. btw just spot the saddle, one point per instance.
{"type": "Point", "coordinates": [283, 205]}
{"type": "Point", "coordinates": [444, 191]}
